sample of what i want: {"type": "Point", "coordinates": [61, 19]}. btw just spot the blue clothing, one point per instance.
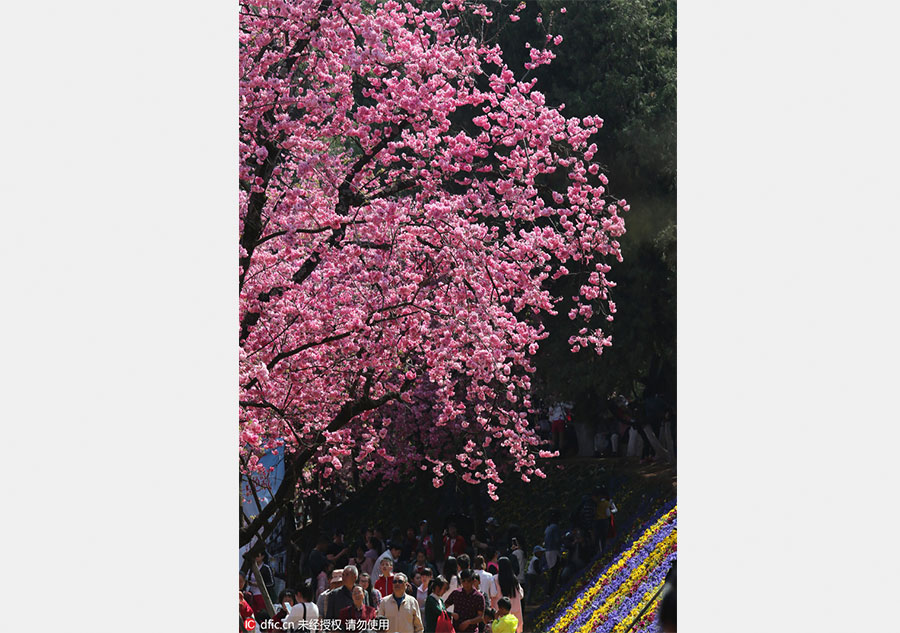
{"type": "Point", "coordinates": [552, 539]}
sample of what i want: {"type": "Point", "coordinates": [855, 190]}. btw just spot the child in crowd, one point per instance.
{"type": "Point", "coordinates": [505, 621]}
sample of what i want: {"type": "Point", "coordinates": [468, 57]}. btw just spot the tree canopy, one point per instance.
{"type": "Point", "coordinates": [408, 203]}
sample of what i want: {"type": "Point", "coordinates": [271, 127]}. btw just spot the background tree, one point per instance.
{"type": "Point", "coordinates": [617, 58]}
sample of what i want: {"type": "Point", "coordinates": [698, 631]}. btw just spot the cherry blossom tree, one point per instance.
{"type": "Point", "coordinates": [406, 203]}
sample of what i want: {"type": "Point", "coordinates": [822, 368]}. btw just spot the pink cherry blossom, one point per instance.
{"type": "Point", "coordinates": [395, 265]}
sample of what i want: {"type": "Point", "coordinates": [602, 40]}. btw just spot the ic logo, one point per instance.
{"type": "Point", "coordinates": [250, 624]}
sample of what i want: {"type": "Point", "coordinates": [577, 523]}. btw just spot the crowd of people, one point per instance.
{"type": "Point", "coordinates": [619, 427]}
{"type": "Point", "coordinates": [419, 581]}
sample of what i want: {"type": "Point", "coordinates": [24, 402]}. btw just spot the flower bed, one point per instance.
{"type": "Point", "coordinates": [637, 506]}
{"type": "Point", "coordinates": [615, 597]}
{"type": "Point", "coordinates": [647, 622]}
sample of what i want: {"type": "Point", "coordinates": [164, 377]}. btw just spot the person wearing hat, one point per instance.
{"type": "Point", "coordinates": [536, 567]}
{"type": "Point", "coordinates": [342, 597]}
{"type": "Point", "coordinates": [401, 609]}
{"type": "Point", "coordinates": [337, 579]}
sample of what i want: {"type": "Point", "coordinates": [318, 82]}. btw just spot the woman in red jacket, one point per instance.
{"type": "Point", "coordinates": [358, 610]}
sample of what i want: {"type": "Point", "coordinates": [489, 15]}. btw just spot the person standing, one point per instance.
{"type": "Point", "coordinates": [322, 601]}
{"type": "Point", "coordinates": [422, 589]}
{"type": "Point", "coordinates": [266, 579]}
{"type": "Point", "coordinates": [485, 578]}
{"type": "Point", "coordinates": [384, 584]}
{"type": "Point", "coordinates": [517, 558]}
{"type": "Point", "coordinates": [284, 605]}
{"type": "Point", "coordinates": [426, 541]}
{"type": "Point", "coordinates": [415, 580]}
{"type": "Point", "coordinates": [490, 538]}
{"type": "Point", "coordinates": [401, 609]}
{"type": "Point", "coordinates": [409, 542]}
{"type": "Point", "coordinates": [244, 608]}
{"type": "Point", "coordinates": [317, 560]}
{"type": "Point", "coordinates": [605, 510]}
{"type": "Point", "coordinates": [359, 610]}
{"type": "Point", "coordinates": [342, 597]}
{"type": "Point", "coordinates": [434, 603]}
{"type": "Point", "coordinates": [421, 563]}
{"type": "Point", "coordinates": [338, 552]}
{"type": "Point", "coordinates": [324, 578]}
{"type": "Point", "coordinates": [552, 547]}
{"type": "Point", "coordinates": [373, 596]}
{"type": "Point", "coordinates": [451, 573]}
{"type": "Point", "coordinates": [468, 605]}
{"type": "Point", "coordinates": [506, 621]}
{"type": "Point", "coordinates": [454, 543]}
{"type": "Point", "coordinates": [506, 587]}
{"type": "Point", "coordinates": [536, 567]}
{"type": "Point", "coordinates": [392, 554]}
{"type": "Point", "coordinates": [304, 608]}
{"type": "Point", "coordinates": [492, 557]}
{"type": "Point", "coordinates": [557, 417]}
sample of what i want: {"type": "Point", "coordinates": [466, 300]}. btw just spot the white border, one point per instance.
{"type": "Point", "coordinates": [120, 306]}
{"type": "Point", "coordinates": [788, 145]}
{"type": "Point", "coordinates": [119, 317]}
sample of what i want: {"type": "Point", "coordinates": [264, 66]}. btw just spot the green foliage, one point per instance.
{"type": "Point", "coordinates": [617, 60]}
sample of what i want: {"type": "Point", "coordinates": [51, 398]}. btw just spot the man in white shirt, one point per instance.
{"type": "Point", "coordinates": [401, 609]}
{"type": "Point", "coordinates": [486, 580]}
{"type": "Point", "coordinates": [422, 589]}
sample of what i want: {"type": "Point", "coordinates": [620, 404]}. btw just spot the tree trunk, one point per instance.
{"type": "Point", "coordinates": [262, 589]}
{"type": "Point", "coordinates": [292, 552]}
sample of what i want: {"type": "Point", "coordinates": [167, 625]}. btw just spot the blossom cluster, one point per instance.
{"type": "Point", "coordinates": [406, 204]}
